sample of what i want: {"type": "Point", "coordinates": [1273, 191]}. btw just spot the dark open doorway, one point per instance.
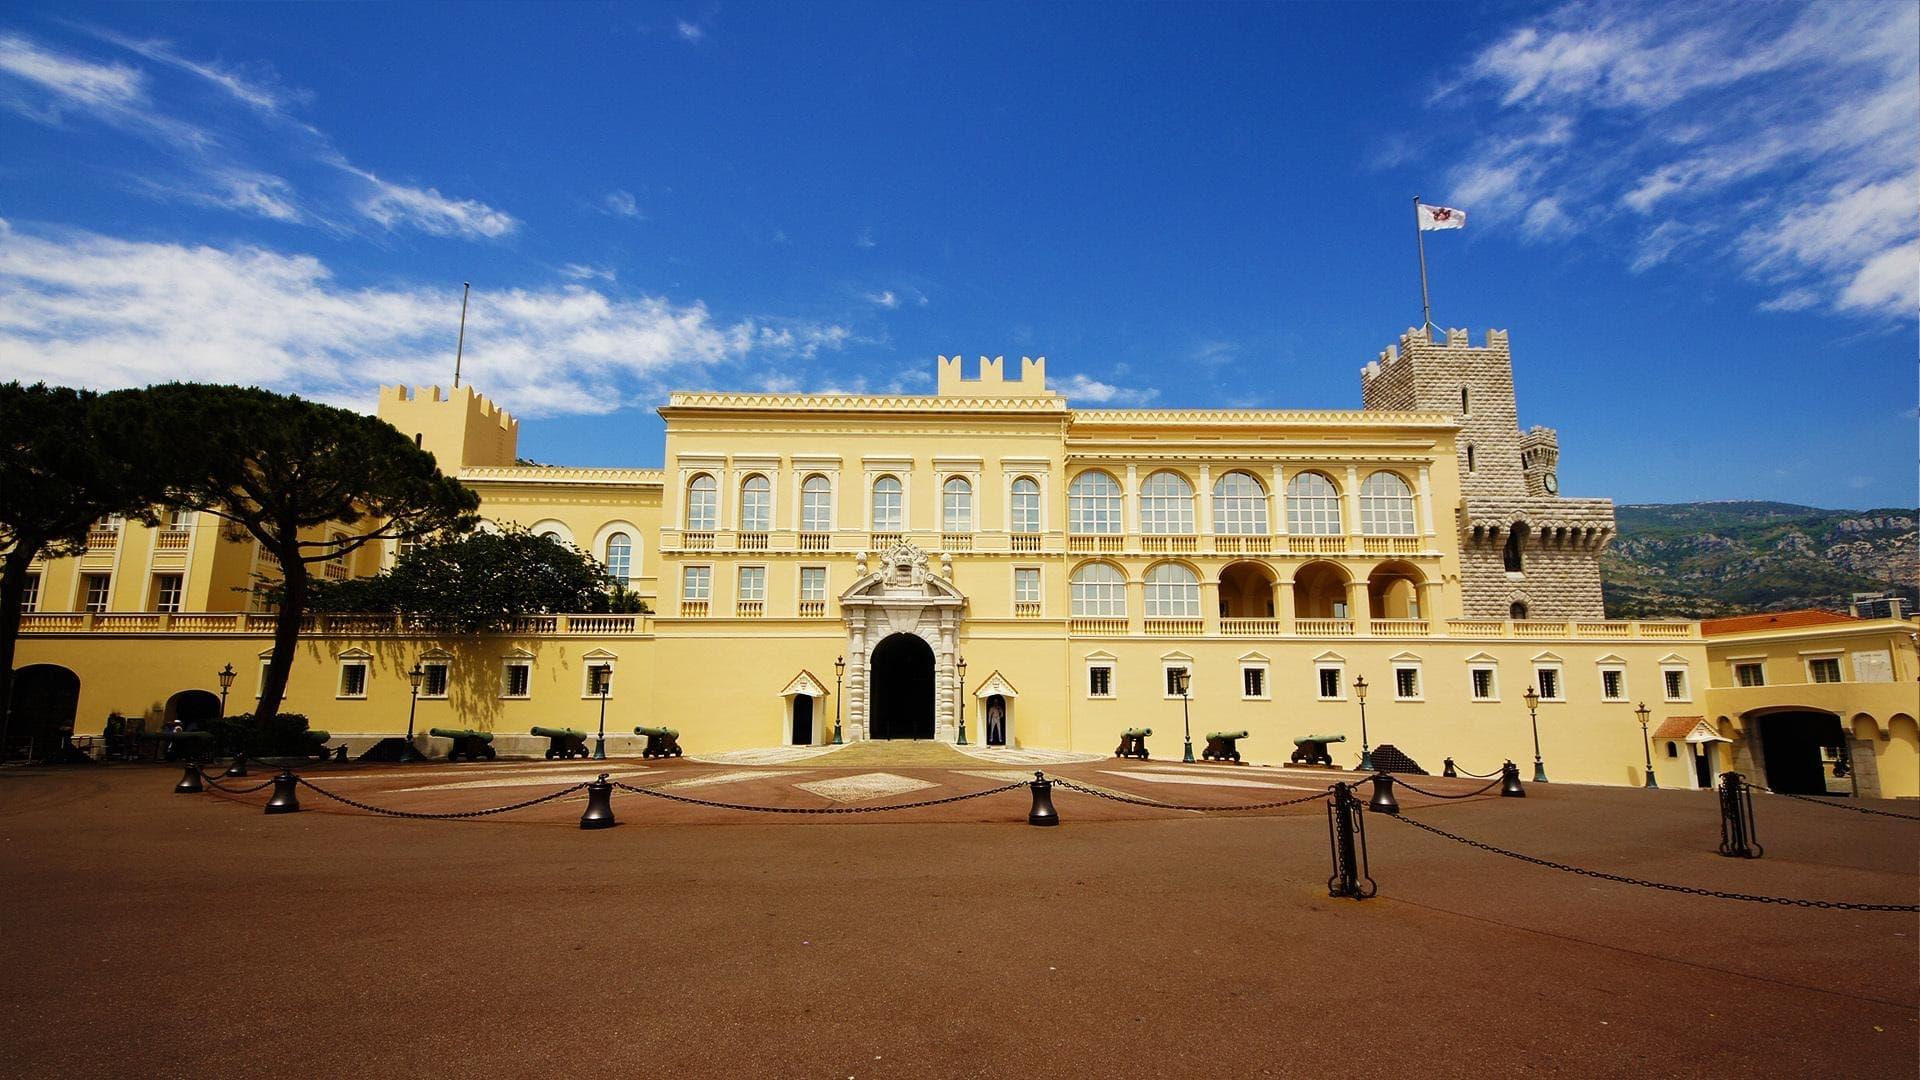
{"type": "Point", "coordinates": [1790, 745]}
{"type": "Point", "coordinates": [802, 720]}
{"type": "Point", "coordinates": [901, 705]}
{"type": "Point", "coordinates": [45, 699]}
{"type": "Point", "coordinates": [996, 720]}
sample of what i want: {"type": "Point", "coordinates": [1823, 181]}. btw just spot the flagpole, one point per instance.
{"type": "Point", "coordinates": [1420, 240]}
{"type": "Point", "coordinates": [460, 349]}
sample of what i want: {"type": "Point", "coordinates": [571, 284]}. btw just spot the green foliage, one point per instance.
{"type": "Point", "coordinates": [483, 581]}
{"type": "Point", "coordinates": [282, 735]}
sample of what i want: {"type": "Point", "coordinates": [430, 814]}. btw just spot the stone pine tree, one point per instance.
{"type": "Point", "coordinates": [309, 482]}
{"type": "Point", "coordinates": [61, 471]}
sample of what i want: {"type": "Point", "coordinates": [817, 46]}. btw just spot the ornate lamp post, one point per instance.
{"type": "Point", "coordinates": [839, 670]}
{"type": "Point", "coordinates": [226, 683]}
{"type": "Point", "coordinates": [407, 752]}
{"type": "Point", "coordinates": [960, 663]}
{"type": "Point", "coordinates": [1366, 747]}
{"type": "Point", "coordinates": [1533, 717]}
{"type": "Point", "coordinates": [1183, 682]}
{"type": "Point", "coordinates": [603, 678]}
{"type": "Point", "coordinates": [1647, 742]}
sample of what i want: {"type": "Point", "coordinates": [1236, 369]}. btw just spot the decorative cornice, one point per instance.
{"type": "Point", "coordinates": [561, 474]}
{"type": "Point", "coordinates": [915, 403]}
{"type": "Point", "coordinates": [1309, 418]}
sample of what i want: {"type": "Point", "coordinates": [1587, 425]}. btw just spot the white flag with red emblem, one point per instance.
{"type": "Point", "coordinates": [1441, 217]}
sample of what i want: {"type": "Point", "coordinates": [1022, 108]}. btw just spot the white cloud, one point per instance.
{"type": "Point", "coordinates": [689, 31]}
{"type": "Point", "coordinates": [393, 205]}
{"type": "Point", "coordinates": [92, 310]}
{"type": "Point", "coordinates": [1079, 387]}
{"type": "Point", "coordinates": [1792, 300]}
{"type": "Point", "coordinates": [621, 204]}
{"type": "Point", "coordinates": [864, 238]}
{"type": "Point", "coordinates": [242, 87]}
{"type": "Point", "coordinates": [70, 78]}
{"type": "Point", "coordinates": [583, 272]}
{"type": "Point", "coordinates": [886, 298]}
{"type": "Point", "coordinates": [1545, 219]}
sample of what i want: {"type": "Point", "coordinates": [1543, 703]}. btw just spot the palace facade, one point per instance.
{"type": "Point", "coordinates": [896, 566]}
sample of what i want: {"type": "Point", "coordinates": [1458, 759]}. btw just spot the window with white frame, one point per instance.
{"type": "Point", "coordinates": [1026, 505]}
{"type": "Point", "coordinates": [1094, 503]}
{"type": "Point", "coordinates": [813, 583]}
{"type": "Point", "coordinates": [816, 504]}
{"type": "Point", "coordinates": [1253, 680]}
{"type": "Point", "coordinates": [756, 504]}
{"type": "Point", "coordinates": [30, 596]}
{"type": "Point", "coordinates": [696, 583]}
{"type": "Point", "coordinates": [166, 592]}
{"type": "Point", "coordinates": [353, 679]}
{"type": "Point", "coordinates": [1546, 680]}
{"type": "Point", "coordinates": [956, 505]}
{"type": "Point", "coordinates": [1313, 505]}
{"type": "Point", "coordinates": [619, 557]}
{"type": "Point", "coordinates": [96, 591]}
{"type": "Point", "coordinates": [434, 678]}
{"type": "Point", "coordinates": [1172, 592]}
{"type": "Point", "coordinates": [1823, 669]}
{"type": "Point", "coordinates": [1674, 682]}
{"type": "Point", "coordinates": [1166, 505]}
{"type": "Point", "coordinates": [1099, 591]}
{"type": "Point", "coordinates": [1331, 680]}
{"type": "Point", "coordinates": [1239, 505]}
{"type": "Point", "coordinates": [1485, 682]}
{"type": "Point", "coordinates": [1100, 679]}
{"type": "Point", "coordinates": [1406, 682]}
{"type": "Point", "coordinates": [265, 661]}
{"type": "Point", "coordinates": [599, 679]}
{"type": "Point", "coordinates": [1613, 684]}
{"type": "Point", "coordinates": [1172, 673]}
{"type": "Point", "coordinates": [887, 510]}
{"type": "Point", "coordinates": [516, 679]}
{"type": "Point", "coordinates": [753, 583]}
{"type": "Point", "coordinates": [703, 503]}
{"type": "Point", "coordinates": [1026, 584]}
{"type": "Point", "coordinates": [1751, 673]}
{"type": "Point", "coordinates": [1386, 505]}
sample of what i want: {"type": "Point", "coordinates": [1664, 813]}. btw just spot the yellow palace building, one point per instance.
{"type": "Point", "coordinates": [893, 566]}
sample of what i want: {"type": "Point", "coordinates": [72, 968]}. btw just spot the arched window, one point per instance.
{"type": "Point", "coordinates": [1166, 505]}
{"type": "Point", "coordinates": [1099, 591]}
{"type": "Point", "coordinates": [619, 557]}
{"type": "Point", "coordinates": [1386, 506]}
{"type": "Point", "coordinates": [703, 503]}
{"type": "Point", "coordinates": [1313, 505]}
{"type": "Point", "coordinates": [1239, 505]}
{"type": "Point", "coordinates": [1026, 505]}
{"type": "Point", "coordinates": [1514, 555]}
{"type": "Point", "coordinates": [887, 511]}
{"type": "Point", "coordinates": [756, 504]}
{"type": "Point", "coordinates": [816, 504]}
{"type": "Point", "coordinates": [1093, 503]}
{"type": "Point", "coordinates": [956, 506]}
{"type": "Point", "coordinates": [1172, 592]}
{"type": "Point", "coordinates": [1518, 610]}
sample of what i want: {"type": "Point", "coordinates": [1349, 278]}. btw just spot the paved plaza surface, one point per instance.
{"type": "Point", "coordinates": [148, 934]}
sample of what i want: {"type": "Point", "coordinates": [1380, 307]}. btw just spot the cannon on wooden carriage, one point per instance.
{"type": "Point", "coordinates": [1223, 746]}
{"type": "Point", "coordinates": [467, 743]}
{"type": "Point", "coordinates": [1312, 749]}
{"type": "Point", "coordinates": [661, 741]}
{"type": "Point", "coordinates": [1133, 743]}
{"type": "Point", "coordinates": [563, 742]}
{"type": "Point", "coordinates": [317, 746]}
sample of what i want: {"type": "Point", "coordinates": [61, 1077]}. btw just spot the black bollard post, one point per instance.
{"type": "Point", "coordinates": [1347, 837]}
{"type": "Point", "coordinates": [1383, 801]}
{"type": "Point", "coordinates": [1449, 770]}
{"type": "Point", "coordinates": [239, 766]}
{"type": "Point", "coordinates": [1043, 812]}
{"type": "Point", "coordinates": [599, 812]}
{"type": "Point", "coordinates": [190, 783]}
{"type": "Point", "coordinates": [1737, 838]}
{"type": "Point", "coordinates": [286, 794]}
{"type": "Point", "coordinates": [1510, 782]}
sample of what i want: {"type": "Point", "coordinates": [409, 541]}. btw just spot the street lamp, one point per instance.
{"type": "Point", "coordinates": [226, 683]}
{"type": "Point", "coordinates": [961, 664]}
{"type": "Point", "coordinates": [407, 752]}
{"type": "Point", "coordinates": [1647, 741]}
{"type": "Point", "coordinates": [839, 669]}
{"type": "Point", "coordinates": [603, 680]}
{"type": "Point", "coordinates": [1366, 748]}
{"type": "Point", "coordinates": [1183, 681]}
{"type": "Point", "coordinates": [1533, 717]}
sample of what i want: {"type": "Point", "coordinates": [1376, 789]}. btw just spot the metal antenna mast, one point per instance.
{"type": "Point", "coordinates": [459, 350]}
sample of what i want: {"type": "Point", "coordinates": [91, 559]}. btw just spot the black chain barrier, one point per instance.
{"type": "Point", "coordinates": [818, 809]}
{"type": "Point", "coordinates": [1837, 806]}
{"type": "Point", "coordinates": [447, 816]}
{"type": "Point", "coordinates": [1401, 780]}
{"type": "Point", "coordinates": [1661, 885]}
{"type": "Point", "coordinates": [217, 786]}
{"type": "Point", "coordinates": [1119, 798]}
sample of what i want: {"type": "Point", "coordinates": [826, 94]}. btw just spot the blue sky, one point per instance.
{"type": "Point", "coordinates": [1698, 223]}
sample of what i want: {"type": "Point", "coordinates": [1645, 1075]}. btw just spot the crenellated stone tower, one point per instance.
{"type": "Point", "coordinates": [1525, 552]}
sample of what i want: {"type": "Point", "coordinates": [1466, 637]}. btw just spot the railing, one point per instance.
{"type": "Point", "coordinates": [815, 541]}
{"type": "Point", "coordinates": [173, 540]}
{"type": "Point", "coordinates": [103, 539]}
{"type": "Point", "coordinates": [602, 624]}
{"type": "Point", "coordinates": [1173, 627]}
{"type": "Point", "coordinates": [1603, 629]}
{"type": "Point", "coordinates": [813, 609]}
{"type": "Point", "coordinates": [1085, 625]}
{"type": "Point", "coordinates": [697, 541]}
{"type": "Point", "coordinates": [1158, 543]}
{"type": "Point", "coordinates": [1323, 627]}
{"type": "Point", "coordinates": [1026, 542]}
{"type": "Point", "coordinates": [128, 622]}
{"type": "Point", "coordinates": [1317, 545]}
{"type": "Point", "coordinates": [956, 541]}
{"type": "Point", "coordinates": [884, 540]}
{"type": "Point", "coordinates": [66, 622]}
{"type": "Point", "coordinates": [1241, 627]}
{"type": "Point", "coordinates": [1476, 628]}
{"type": "Point", "coordinates": [1668, 630]}
{"type": "Point", "coordinates": [1538, 628]}
{"type": "Point", "coordinates": [1243, 545]}
{"type": "Point", "coordinates": [336, 572]}
{"type": "Point", "coordinates": [693, 609]}
{"type": "Point", "coordinates": [363, 624]}
{"type": "Point", "coordinates": [749, 609]}
{"type": "Point", "coordinates": [1095, 542]}
{"type": "Point", "coordinates": [1026, 609]}
{"type": "Point", "coordinates": [1390, 545]}
{"type": "Point", "coordinates": [1398, 627]}
{"type": "Point", "coordinates": [209, 623]}
{"type": "Point", "coordinates": [753, 541]}
{"type": "Point", "coordinates": [537, 624]}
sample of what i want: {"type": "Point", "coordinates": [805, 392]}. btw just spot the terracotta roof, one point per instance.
{"type": "Point", "coordinates": [1676, 727]}
{"type": "Point", "coordinates": [1777, 620]}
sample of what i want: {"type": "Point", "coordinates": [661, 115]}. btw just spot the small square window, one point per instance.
{"type": "Point", "coordinates": [1754, 674]}
{"type": "Point", "coordinates": [1253, 681]}
{"type": "Point", "coordinates": [1613, 684]}
{"type": "Point", "coordinates": [1100, 680]}
{"type": "Point", "coordinates": [1173, 673]}
{"type": "Point", "coordinates": [599, 679]}
{"type": "Point", "coordinates": [516, 679]}
{"type": "Point", "coordinates": [1547, 681]}
{"type": "Point", "coordinates": [696, 583]}
{"type": "Point", "coordinates": [353, 679]}
{"type": "Point", "coordinates": [1675, 681]}
{"type": "Point", "coordinates": [753, 583]}
{"type": "Point", "coordinates": [1332, 688]}
{"type": "Point", "coordinates": [1824, 669]}
{"type": "Point", "coordinates": [1483, 686]}
{"type": "Point", "coordinates": [433, 683]}
{"type": "Point", "coordinates": [1406, 683]}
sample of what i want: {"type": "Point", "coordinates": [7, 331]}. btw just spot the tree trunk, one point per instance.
{"type": "Point", "coordinates": [13, 588]}
{"type": "Point", "coordinates": [286, 633]}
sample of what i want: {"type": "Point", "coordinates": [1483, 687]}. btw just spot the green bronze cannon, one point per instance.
{"type": "Point", "coordinates": [661, 741]}
{"type": "Point", "coordinates": [1312, 749]}
{"type": "Point", "coordinates": [1223, 746]}
{"type": "Point", "coordinates": [1133, 743]}
{"type": "Point", "coordinates": [473, 745]}
{"type": "Point", "coordinates": [563, 742]}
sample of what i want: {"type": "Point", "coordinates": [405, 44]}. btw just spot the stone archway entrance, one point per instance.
{"type": "Point", "coordinates": [897, 596]}
{"type": "Point", "coordinates": [1790, 749]}
{"type": "Point", "coordinates": [902, 699]}
{"type": "Point", "coordinates": [46, 698]}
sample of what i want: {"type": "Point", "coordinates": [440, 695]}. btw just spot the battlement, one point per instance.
{"type": "Point", "coordinates": [478, 405]}
{"type": "Point", "coordinates": [992, 381]}
{"type": "Point", "coordinates": [458, 427]}
{"type": "Point", "coordinates": [1417, 340]}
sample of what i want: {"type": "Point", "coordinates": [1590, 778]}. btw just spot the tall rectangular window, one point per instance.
{"type": "Point", "coordinates": [813, 583]}
{"type": "Point", "coordinates": [97, 590]}
{"type": "Point", "coordinates": [888, 512]}
{"type": "Point", "coordinates": [753, 583]}
{"type": "Point", "coordinates": [30, 596]}
{"type": "Point", "coordinates": [1026, 506]}
{"type": "Point", "coordinates": [1547, 681]}
{"type": "Point", "coordinates": [1613, 684]}
{"type": "Point", "coordinates": [1824, 669]}
{"type": "Point", "coordinates": [956, 506]}
{"type": "Point", "coordinates": [816, 504]}
{"type": "Point", "coordinates": [756, 504]}
{"type": "Point", "coordinates": [353, 678]}
{"type": "Point", "coordinates": [1330, 686]}
{"type": "Point", "coordinates": [1100, 680]}
{"type": "Point", "coordinates": [433, 684]}
{"type": "Point", "coordinates": [1026, 585]}
{"type": "Point", "coordinates": [1676, 684]}
{"type": "Point", "coordinates": [599, 680]}
{"type": "Point", "coordinates": [1253, 681]}
{"type": "Point", "coordinates": [1406, 683]}
{"type": "Point", "coordinates": [696, 583]}
{"type": "Point", "coordinates": [516, 679]}
{"type": "Point", "coordinates": [1754, 674]}
{"type": "Point", "coordinates": [1483, 689]}
{"type": "Point", "coordinates": [166, 592]}
{"type": "Point", "coordinates": [1173, 673]}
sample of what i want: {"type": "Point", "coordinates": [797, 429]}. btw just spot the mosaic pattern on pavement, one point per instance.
{"type": "Point", "coordinates": [864, 786]}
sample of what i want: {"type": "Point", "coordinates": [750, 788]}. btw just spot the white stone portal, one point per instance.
{"type": "Point", "coordinates": [897, 594]}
